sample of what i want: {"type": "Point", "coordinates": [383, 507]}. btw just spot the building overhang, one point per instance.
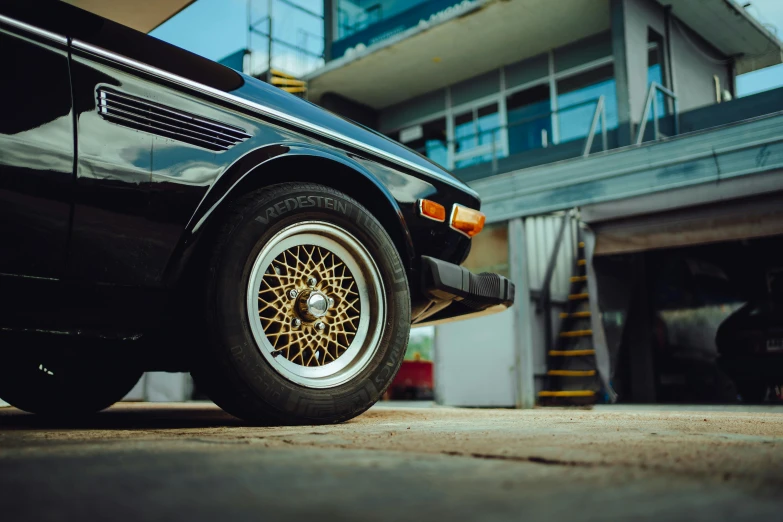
{"type": "Point", "coordinates": [142, 15]}
{"type": "Point", "coordinates": [736, 209]}
{"type": "Point", "coordinates": [474, 37]}
{"type": "Point", "coordinates": [731, 30]}
{"type": "Point", "coordinates": [481, 35]}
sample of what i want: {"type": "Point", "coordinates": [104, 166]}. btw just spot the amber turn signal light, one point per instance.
{"type": "Point", "coordinates": [466, 220]}
{"type": "Point", "coordinates": [432, 210]}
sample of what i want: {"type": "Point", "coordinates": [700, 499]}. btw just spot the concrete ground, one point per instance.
{"type": "Point", "coordinates": [193, 462]}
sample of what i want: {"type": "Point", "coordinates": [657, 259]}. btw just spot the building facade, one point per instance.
{"type": "Point", "coordinates": [579, 122]}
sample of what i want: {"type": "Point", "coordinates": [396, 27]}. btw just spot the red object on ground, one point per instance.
{"type": "Point", "coordinates": [413, 381]}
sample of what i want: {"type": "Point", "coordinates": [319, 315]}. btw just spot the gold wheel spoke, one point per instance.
{"type": "Point", "coordinates": [304, 345]}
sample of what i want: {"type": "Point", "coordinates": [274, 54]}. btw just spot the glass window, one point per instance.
{"type": "Point", "coordinates": [355, 15]}
{"type": "Point", "coordinates": [477, 136]}
{"type": "Point", "coordinates": [464, 133]}
{"type": "Point", "coordinates": [655, 74]}
{"type": "Point", "coordinates": [529, 119]}
{"type": "Point", "coordinates": [428, 139]}
{"type": "Point", "coordinates": [577, 97]}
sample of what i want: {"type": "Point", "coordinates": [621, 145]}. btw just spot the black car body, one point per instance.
{"type": "Point", "coordinates": [750, 340]}
{"type": "Point", "coordinates": [120, 155]}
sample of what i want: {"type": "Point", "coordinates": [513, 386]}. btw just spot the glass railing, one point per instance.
{"type": "Point", "coordinates": [531, 133]}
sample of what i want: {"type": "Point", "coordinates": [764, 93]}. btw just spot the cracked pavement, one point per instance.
{"type": "Point", "coordinates": [155, 462]}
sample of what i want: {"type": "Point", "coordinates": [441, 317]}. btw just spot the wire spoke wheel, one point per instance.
{"type": "Point", "coordinates": [282, 300]}
{"type": "Point", "coordinates": [316, 304]}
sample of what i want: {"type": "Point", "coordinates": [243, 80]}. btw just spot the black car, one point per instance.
{"type": "Point", "coordinates": [159, 211]}
{"type": "Point", "coordinates": [750, 341]}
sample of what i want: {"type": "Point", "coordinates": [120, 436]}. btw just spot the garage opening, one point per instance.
{"type": "Point", "coordinates": [692, 302]}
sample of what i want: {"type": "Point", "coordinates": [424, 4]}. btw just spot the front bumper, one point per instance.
{"type": "Point", "coordinates": [456, 293]}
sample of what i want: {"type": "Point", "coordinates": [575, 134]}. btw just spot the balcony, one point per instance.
{"type": "Point", "coordinates": [387, 62]}
{"type": "Point", "coordinates": [479, 37]}
{"type": "Point", "coordinates": [527, 143]}
{"type": "Point", "coordinates": [741, 156]}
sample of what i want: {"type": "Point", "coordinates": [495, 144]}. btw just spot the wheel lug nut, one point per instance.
{"type": "Point", "coordinates": [293, 293]}
{"type": "Point", "coordinates": [311, 281]}
{"type": "Point", "coordinates": [331, 302]}
{"type": "Point", "coordinates": [320, 326]}
{"type": "Point", "coordinates": [296, 323]}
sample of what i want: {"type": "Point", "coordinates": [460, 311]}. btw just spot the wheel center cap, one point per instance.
{"type": "Point", "coordinates": [312, 305]}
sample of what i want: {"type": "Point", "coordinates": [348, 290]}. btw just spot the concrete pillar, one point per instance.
{"type": "Point", "coordinates": [330, 16]}
{"type": "Point", "coordinates": [523, 314]}
{"type": "Point", "coordinates": [617, 21]}
{"type": "Point", "coordinates": [638, 337]}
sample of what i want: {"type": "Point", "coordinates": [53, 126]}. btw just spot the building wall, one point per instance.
{"type": "Point", "coordinates": [476, 361]}
{"type": "Point", "coordinates": [403, 114]}
{"type": "Point", "coordinates": [520, 128]}
{"type": "Point", "coordinates": [522, 74]}
{"type": "Point", "coordinates": [694, 61]}
{"type": "Point", "coordinates": [695, 64]}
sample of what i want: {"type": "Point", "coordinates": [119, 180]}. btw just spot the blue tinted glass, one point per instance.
{"type": "Point", "coordinates": [355, 15]}
{"type": "Point", "coordinates": [488, 129]}
{"type": "Point", "coordinates": [654, 74]}
{"type": "Point", "coordinates": [529, 119]}
{"type": "Point", "coordinates": [578, 104]}
{"type": "Point", "coordinates": [465, 138]}
{"type": "Point", "coordinates": [437, 152]}
{"type": "Point", "coordinates": [474, 134]}
{"type": "Point", "coordinates": [431, 140]}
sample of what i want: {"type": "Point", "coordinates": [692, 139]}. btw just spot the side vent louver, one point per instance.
{"type": "Point", "coordinates": [151, 117]}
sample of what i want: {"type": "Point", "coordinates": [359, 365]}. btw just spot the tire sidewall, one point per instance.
{"type": "Point", "coordinates": [253, 375]}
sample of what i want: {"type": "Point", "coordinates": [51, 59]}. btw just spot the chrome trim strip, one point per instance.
{"type": "Point", "coordinates": [35, 30]}
{"type": "Point", "coordinates": [111, 92]}
{"type": "Point", "coordinates": [422, 214]}
{"type": "Point", "coordinates": [109, 110]}
{"type": "Point", "coordinates": [163, 117]}
{"type": "Point", "coordinates": [270, 112]}
{"type": "Point", "coordinates": [157, 130]}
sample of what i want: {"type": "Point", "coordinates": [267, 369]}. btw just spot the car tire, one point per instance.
{"type": "Point", "coordinates": [307, 308]}
{"type": "Point", "coordinates": [49, 382]}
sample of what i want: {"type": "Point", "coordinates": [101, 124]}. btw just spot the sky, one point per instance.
{"type": "Point", "coordinates": [770, 14]}
{"type": "Point", "coordinates": [216, 28]}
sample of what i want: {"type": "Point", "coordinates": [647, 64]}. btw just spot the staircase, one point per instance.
{"type": "Point", "coordinates": [571, 377]}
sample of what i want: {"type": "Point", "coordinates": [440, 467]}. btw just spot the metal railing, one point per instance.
{"type": "Point", "coordinates": [600, 111]}
{"type": "Point", "coordinates": [652, 103]}
{"type": "Point", "coordinates": [488, 143]}
{"type": "Point", "coordinates": [544, 304]}
{"type": "Point", "coordinates": [305, 58]}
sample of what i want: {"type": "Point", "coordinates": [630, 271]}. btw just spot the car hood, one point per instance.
{"type": "Point", "coordinates": [309, 116]}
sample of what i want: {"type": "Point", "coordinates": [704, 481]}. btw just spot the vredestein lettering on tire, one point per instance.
{"type": "Point", "coordinates": [301, 202]}
{"type": "Point", "coordinates": [309, 282]}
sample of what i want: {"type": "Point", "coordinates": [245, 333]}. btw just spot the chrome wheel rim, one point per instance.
{"type": "Point", "coordinates": [316, 304]}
